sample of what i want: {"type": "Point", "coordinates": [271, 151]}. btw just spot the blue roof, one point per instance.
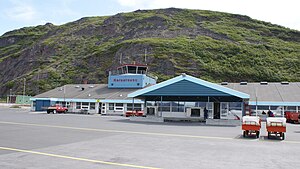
{"type": "Point", "coordinates": [185, 85]}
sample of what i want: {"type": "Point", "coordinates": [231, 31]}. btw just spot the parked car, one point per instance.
{"type": "Point", "coordinates": [57, 109]}
{"type": "Point", "coordinates": [292, 117]}
{"type": "Point", "coordinates": [134, 113]}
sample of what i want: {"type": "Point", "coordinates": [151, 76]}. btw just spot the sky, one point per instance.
{"type": "Point", "coordinates": [16, 14]}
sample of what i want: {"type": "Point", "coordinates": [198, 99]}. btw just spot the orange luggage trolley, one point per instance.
{"type": "Point", "coordinates": [276, 126]}
{"type": "Point", "coordinates": [251, 125]}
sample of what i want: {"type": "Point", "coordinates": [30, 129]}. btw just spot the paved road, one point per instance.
{"type": "Point", "coordinates": [39, 140]}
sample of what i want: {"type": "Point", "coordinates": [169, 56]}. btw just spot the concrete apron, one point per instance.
{"type": "Point", "coordinates": [223, 122]}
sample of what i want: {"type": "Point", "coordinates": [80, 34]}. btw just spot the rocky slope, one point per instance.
{"type": "Point", "coordinates": [211, 45]}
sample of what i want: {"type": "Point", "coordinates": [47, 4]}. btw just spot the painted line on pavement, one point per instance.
{"type": "Point", "coordinates": [134, 132]}
{"type": "Point", "coordinates": [75, 158]}
{"type": "Point", "coordinates": [117, 131]}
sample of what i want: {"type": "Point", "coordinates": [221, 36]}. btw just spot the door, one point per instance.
{"type": "Point", "coordinates": [224, 110]}
{"type": "Point", "coordinates": [195, 112]}
{"type": "Point", "coordinates": [216, 110]}
{"type": "Point", "coordinates": [151, 111]}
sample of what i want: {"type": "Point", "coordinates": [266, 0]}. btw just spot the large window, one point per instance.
{"type": "Point", "coordinates": [177, 106]}
{"type": "Point", "coordinates": [164, 106]}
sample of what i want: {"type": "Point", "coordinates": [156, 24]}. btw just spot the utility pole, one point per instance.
{"type": "Point", "coordinates": [146, 56]}
{"type": "Point", "coordinates": [24, 88]}
{"type": "Point", "coordinates": [64, 93]}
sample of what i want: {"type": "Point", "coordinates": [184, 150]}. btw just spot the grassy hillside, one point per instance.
{"type": "Point", "coordinates": [210, 45]}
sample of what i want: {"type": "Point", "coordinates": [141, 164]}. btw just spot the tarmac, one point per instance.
{"type": "Point", "coordinates": [34, 140]}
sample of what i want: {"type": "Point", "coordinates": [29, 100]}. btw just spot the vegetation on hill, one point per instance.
{"type": "Point", "coordinates": [210, 45]}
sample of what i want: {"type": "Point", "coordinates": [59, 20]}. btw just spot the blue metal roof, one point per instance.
{"type": "Point", "coordinates": [185, 85]}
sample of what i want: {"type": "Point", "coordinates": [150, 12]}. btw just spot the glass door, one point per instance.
{"type": "Point", "coordinates": [224, 110]}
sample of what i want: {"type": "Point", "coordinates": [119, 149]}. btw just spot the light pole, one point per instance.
{"type": "Point", "coordinates": [10, 95]}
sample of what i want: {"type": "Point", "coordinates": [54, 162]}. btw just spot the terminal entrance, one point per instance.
{"type": "Point", "coordinates": [216, 111]}
{"type": "Point", "coordinates": [195, 112]}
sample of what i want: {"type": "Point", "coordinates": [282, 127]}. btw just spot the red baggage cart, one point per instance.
{"type": "Point", "coordinates": [276, 126]}
{"type": "Point", "coordinates": [251, 126]}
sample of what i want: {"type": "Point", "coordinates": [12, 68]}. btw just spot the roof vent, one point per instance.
{"type": "Point", "coordinates": [60, 89]}
{"type": "Point", "coordinates": [91, 86]}
{"type": "Point", "coordinates": [243, 83]}
{"type": "Point", "coordinates": [263, 83]}
{"type": "Point", "coordinates": [77, 86]}
{"type": "Point", "coordinates": [183, 74]}
{"type": "Point", "coordinates": [224, 83]}
{"type": "Point", "coordinates": [89, 95]}
{"type": "Point", "coordinates": [285, 83]}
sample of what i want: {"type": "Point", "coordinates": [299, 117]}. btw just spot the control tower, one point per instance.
{"type": "Point", "coordinates": [130, 76]}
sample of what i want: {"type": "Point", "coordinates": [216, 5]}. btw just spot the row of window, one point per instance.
{"type": "Point", "coordinates": [278, 108]}
{"type": "Point", "coordinates": [120, 106]}
{"type": "Point", "coordinates": [177, 106]}
{"type": "Point", "coordinates": [85, 105]}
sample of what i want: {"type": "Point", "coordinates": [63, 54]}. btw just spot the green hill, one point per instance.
{"type": "Point", "coordinates": [210, 45]}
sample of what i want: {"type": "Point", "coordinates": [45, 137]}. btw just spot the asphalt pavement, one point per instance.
{"type": "Point", "coordinates": [34, 140]}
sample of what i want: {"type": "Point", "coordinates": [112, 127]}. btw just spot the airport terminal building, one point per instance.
{"type": "Point", "coordinates": [131, 88]}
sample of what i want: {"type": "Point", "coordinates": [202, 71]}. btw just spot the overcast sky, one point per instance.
{"type": "Point", "coordinates": [20, 13]}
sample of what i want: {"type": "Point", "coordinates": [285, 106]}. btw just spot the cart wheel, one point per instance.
{"type": "Point", "coordinates": [244, 134]}
{"type": "Point", "coordinates": [282, 136]}
{"type": "Point", "coordinates": [257, 134]}
{"type": "Point", "coordinates": [269, 134]}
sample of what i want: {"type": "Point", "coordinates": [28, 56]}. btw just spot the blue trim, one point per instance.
{"type": "Point", "coordinates": [76, 100]}
{"type": "Point", "coordinates": [51, 99]}
{"type": "Point", "coordinates": [122, 101]}
{"type": "Point", "coordinates": [88, 100]}
{"type": "Point", "coordinates": [191, 79]}
{"type": "Point", "coordinates": [259, 103]}
{"type": "Point", "coordinates": [66, 99]}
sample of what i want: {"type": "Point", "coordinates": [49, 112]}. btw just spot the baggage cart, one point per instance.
{"type": "Point", "coordinates": [276, 126]}
{"type": "Point", "coordinates": [251, 126]}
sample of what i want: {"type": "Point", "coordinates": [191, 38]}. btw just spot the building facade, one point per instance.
{"type": "Point", "coordinates": [106, 99]}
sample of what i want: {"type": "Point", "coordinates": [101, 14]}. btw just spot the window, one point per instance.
{"type": "Point", "coordinates": [85, 105]}
{"type": "Point", "coordinates": [290, 108]}
{"type": "Point", "coordinates": [78, 105]}
{"type": "Point", "coordinates": [92, 106]}
{"type": "Point", "coordinates": [111, 106]}
{"type": "Point", "coordinates": [136, 106]}
{"type": "Point", "coordinates": [150, 103]}
{"type": "Point", "coordinates": [119, 106]}
{"type": "Point", "coordinates": [177, 106]}
{"type": "Point", "coordinates": [263, 107]}
{"type": "Point", "coordinates": [164, 106]}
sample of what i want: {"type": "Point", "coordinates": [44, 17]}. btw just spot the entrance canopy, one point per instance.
{"type": "Point", "coordinates": [189, 88]}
